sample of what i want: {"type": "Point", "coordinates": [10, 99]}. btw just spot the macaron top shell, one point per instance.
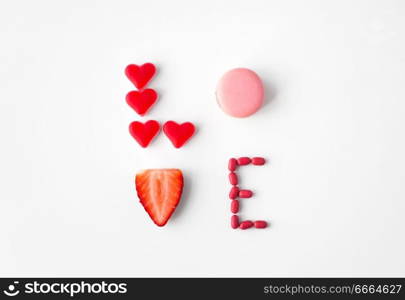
{"type": "Point", "coordinates": [240, 92]}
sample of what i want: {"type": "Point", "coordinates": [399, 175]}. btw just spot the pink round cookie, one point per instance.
{"type": "Point", "coordinates": [240, 92]}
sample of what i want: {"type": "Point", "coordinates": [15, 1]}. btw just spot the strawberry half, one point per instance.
{"type": "Point", "coordinates": [159, 191]}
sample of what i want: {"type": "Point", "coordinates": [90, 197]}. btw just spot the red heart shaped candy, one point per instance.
{"type": "Point", "coordinates": [144, 133]}
{"type": "Point", "coordinates": [141, 101]}
{"type": "Point", "coordinates": [140, 75]}
{"type": "Point", "coordinates": [178, 133]}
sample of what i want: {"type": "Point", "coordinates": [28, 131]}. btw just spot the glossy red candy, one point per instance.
{"type": "Point", "coordinates": [178, 134]}
{"type": "Point", "coordinates": [234, 206]}
{"type": "Point", "coordinates": [246, 225]}
{"type": "Point", "coordinates": [234, 221]}
{"type": "Point", "coordinates": [260, 224]}
{"type": "Point", "coordinates": [232, 164]}
{"type": "Point", "coordinates": [242, 161]}
{"type": "Point", "coordinates": [234, 192]}
{"type": "Point", "coordinates": [141, 101]}
{"type": "Point", "coordinates": [140, 75]}
{"type": "Point", "coordinates": [144, 133]}
{"type": "Point", "coordinates": [245, 193]}
{"type": "Point", "coordinates": [233, 178]}
{"type": "Point", "coordinates": [258, 161]}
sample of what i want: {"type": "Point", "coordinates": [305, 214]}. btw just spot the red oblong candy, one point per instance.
{"type": "Point", "coordinates": [246, 225]}
{"type": "Point", "coordinates": [234, 221]}
{"type": "Point", "coordinates": [234, 206]}
{"type": "Point", "coordinates": [260, 224]}
{"type": "Point", "coordinates": [234, 192]}
{"type": "Point", "coordinates": [242, 161]}
{"type": "Point", "coordinates": [258, 161]}
{"type": "Point", "coordinates": [232, 164]}
{"type": "Point", "coordinates": [245, 193]}
{"type": "Point", "coordinates": [233, 178]}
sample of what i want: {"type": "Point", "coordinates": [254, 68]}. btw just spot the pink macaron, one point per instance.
{"type": "Point", "coordinates": [240, 92]}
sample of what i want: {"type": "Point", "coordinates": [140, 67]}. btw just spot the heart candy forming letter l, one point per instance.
{"type": "Point", "coordinates": [178, 134]}
{"type": "Point", "coordinates": [141, 101]}
{"type": "Point", "coordinates": [140, 75]}
{"type": "Point", "coordinates": [144, 133]}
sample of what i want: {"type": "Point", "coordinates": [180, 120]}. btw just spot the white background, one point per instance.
{"type": "Point", "coordinates": [332, 129]}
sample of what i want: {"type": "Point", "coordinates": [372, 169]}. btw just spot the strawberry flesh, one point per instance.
{"type": "Point", "coordinates": [159, 191]}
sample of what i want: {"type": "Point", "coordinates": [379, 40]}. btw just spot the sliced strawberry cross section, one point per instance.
{"type": "Point", "coordinates": [159, 191]}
